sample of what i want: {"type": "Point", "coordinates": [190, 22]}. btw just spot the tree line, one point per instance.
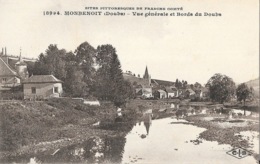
{"type": "Point", "coordinates": [87, 72]}
{"type": "Point", "coordinates": [222, 89]}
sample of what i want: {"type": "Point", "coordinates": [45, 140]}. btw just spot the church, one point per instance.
{"type": "Point", "coordinates": [146, 87]}
{"type": "Point", "coordinates": [143, 86]}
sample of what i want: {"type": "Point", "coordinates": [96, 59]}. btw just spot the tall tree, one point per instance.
{"type": "Point", "coordinates": [85, 55]}
{"type": "Point", "coordinates": [111, 84]}
{"type": "Point", "coordinates": [52, 62]}
{"type": "Point", "coordinates": [243, 92]}
{"type": "Point", "coordinates": [221, 88]}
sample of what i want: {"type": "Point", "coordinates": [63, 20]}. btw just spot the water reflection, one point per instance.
{"type": "Point", "coordinates": [166, 140]}
{"type": "Point", "coordinates": [94, 150]}
{"type": "Point", "coordinates": [174, 141]}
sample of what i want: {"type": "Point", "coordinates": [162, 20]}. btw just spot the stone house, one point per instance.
{"type": "Point", "coordinates": [160, 94]}
{"type": "Point", "coordinates": [42, 87]}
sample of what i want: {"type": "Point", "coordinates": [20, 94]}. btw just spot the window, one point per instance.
{"type": "Point", "coordinates": [33, 90]}
{"type": "Point", "coordinates": [56, 90]}
{"type": "Point", "coordinates": [3, 80]}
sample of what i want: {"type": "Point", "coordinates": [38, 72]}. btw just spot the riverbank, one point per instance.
{"type": "Point", "coordinates": [29, 128]}
{"type": "Point", "coordinates": [226, 130]}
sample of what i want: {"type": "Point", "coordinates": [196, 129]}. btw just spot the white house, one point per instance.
{"type": "Point", "coordinates": [42, 87]}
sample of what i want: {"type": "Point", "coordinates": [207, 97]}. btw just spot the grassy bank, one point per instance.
{"type": "Point", "coordinates": [24, 123]}
{"type": "Point", "coordinates": [225, 131]}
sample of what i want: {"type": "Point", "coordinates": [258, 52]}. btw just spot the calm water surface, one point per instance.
{"type": "Point", "coordinates": [165, 140]}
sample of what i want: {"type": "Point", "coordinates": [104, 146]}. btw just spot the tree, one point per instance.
{"type": "Point", "coordinates": [197, 86]}
{"type": "Point", "coordinates": [85, 55]}
{"type": "Point", "coordinates": [221, 88]}
{"type": "Point", "coordinates": [243, 92]}
{"type": "Point", "coordinates": [110, 82]}
{"type": "Point", "coordinates": [52, 62]}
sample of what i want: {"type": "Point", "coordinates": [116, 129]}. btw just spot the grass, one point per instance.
{"type": "Point", "coordinates": [24, 122]}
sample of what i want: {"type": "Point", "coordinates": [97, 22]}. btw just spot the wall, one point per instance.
{"type": "Point", "coordinates": [43, 90]}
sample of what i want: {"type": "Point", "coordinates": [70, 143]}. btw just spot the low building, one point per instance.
{"type": "Point", "coordinates": [42, 87]}
{"type": "Point", "coordinates": [172, 92]}
{"type": "Point", "coordinates": [160, 94]}
{"type": "Point", "coordinates": [204, 92]}
{"type": "Point", "coordinates": [144, 92]}
{"type": "Point", "coordinates": [189, 93]}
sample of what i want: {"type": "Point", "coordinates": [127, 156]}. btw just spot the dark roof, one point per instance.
{"type": "Point", "coordinates": [42, 79]}
{"type": "Point", "coordinates": [190, 90]}
{"type": "Point", "coordinates": [6, 70]}
{"type": "Point", "coordinates": [169, 90]}
{"type": "Point", "coordinates": [163, 82]}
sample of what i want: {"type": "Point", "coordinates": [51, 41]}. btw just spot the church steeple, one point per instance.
{"type": "Point", "coordinates": [20, 57]}
{"type": "Point", "coordinates": [146, 75]}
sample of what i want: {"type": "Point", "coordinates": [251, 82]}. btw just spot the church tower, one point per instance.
{"type": "Point", "coordinates": [147, 76]}
{"type": "Point", "coordinates": [21, 68]}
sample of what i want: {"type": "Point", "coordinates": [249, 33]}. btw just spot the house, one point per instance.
{"type": "Point", "coordinates": [11, 74]}
{"type": "Point", "coordinates": [160, 94]}
{"type": "Point", "coordinates": [204, 92]}
{"type": "Point", "coordinates": [176, 91]}
{"type": "Point", "coordinates": [144, 92]}
{"type": "Point", "coordinates": [147, 93]}
{"type": "Point", "coordinates": [42, 87]}
{"type": "Point", "coordinates": [172, 92]}
{"type": "Point", "coordinates": [189, 93]}
{"type": "Point", "coordinates": [8, 77]}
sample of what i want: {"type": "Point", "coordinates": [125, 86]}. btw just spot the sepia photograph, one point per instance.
{"type": "Point", "coordinates": [130, 81]}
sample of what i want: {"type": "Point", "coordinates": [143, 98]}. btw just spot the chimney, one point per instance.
{"type": "Point", "coordinates": [5, 51]}
{"type": "Point", "coordinates": [2, 51]}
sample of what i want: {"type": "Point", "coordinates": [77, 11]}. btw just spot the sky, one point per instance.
{"type": "Point", "coordinates": [187, 48]}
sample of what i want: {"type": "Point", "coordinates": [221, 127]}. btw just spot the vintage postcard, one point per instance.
{"type": "Point", "coordinates": [130, 81]}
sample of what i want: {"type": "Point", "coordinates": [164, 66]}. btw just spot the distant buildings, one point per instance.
{"type": "Point", "coordinates": [147, 87]}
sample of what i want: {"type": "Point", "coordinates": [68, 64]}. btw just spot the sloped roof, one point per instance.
{"type": "Point", "coordinates": [169, 90]}
{"type": "Point", "coordinates": [191, 91]}
{"type": "Point", "coordinates": [6, 70]}
{"type": "Point", "coordinates": [204, 89]}
{"type": "Point", "coordinates": [162, 82]}
{"type": "Point", "coordinates": [147, 90]}
{"type": "Point", "coordinates": [42, 79]}
{"type": "Point", "coordinates": [161, 91]}
{"type": "Point", "coordinates": [174, 88]}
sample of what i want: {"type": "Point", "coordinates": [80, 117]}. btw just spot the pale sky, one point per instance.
{"type": "Point", "coordinates": [188, 48]}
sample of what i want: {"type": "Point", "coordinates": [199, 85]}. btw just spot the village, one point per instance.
{"type": "Point", "coordinates": [16, 83]}
{"type": "Point", "coordinates": [71, 119]}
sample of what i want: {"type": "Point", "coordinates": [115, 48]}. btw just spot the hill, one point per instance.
{"type": "Point", "coordinates": [255, 85]}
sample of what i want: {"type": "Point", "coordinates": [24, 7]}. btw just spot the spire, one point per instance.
{"type": "Point", "coordinates": [146, 75]}
{"type": "Point", "coordinates": [147, 122]}
{"type": "Point", "coordinates": [20, 57]}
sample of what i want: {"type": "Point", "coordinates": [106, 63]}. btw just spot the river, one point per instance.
{"type": "Point", "coordinates": [166, 140]}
